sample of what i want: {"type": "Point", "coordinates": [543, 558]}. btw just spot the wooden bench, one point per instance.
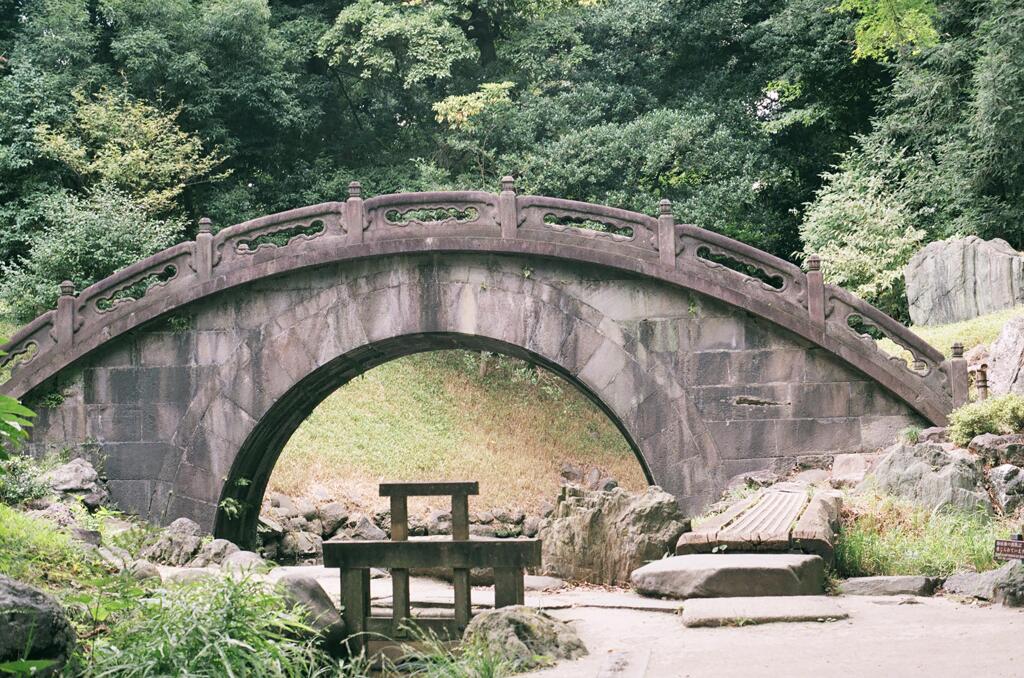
{"type": "Point", "coordinates": [355, 558]}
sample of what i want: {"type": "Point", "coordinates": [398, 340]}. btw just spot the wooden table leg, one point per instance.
{"type": "Point", "coordinates": [460, 577]}
{"type": "Point", "coordinates": [355, 597]}
{"type": "Point", "coordinates": [507, 586]}
{"type": "Point", "coordinates": [400, 602]}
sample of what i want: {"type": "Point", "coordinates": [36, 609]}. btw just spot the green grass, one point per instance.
{"type": "Point", "coordinates": [981, 330]}
{"type": "Point", "coordinates": [33, 551]}
{"type": "Point", "coordinates": [433, 416]}
{"type": "Point", "coordinates": [888, 536]}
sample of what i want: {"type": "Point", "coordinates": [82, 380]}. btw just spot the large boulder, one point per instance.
{"type": "Point", "coordinates": [318, 610]}
{"type": "Point", "coordinates": [33, 627]}
{"type": "Point", "coordinates": [602, 536]}
{"type": "Point", "coordinates": [177, 545]}
{"type": "Point", "coordinates": [963, 278]}
{"type": "Point", "coordinates": [1005, 585]}
{"type": "Point", "coordinates": [1006, 359]}
{"type": "Point", "coordinates": [524, 637]}
{"type": "Point", "coordinates": [714, 575]}
{"type": "Point", "coordinates": [935, 475]}
{"type": "Point", "coordinates": [999, 449]}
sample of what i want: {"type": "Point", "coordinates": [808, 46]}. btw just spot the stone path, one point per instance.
{"type": "Point", "coordinates": [891, 637]}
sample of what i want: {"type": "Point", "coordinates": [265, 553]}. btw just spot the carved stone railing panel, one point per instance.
{"type": "Point", "coordinates": [160, 272]}
{"type": "Point", "coordinates": [552, 218]}
{"type": "Point", "coordinates": [28, 344]}
{"type": "Point", "coordinates": [291, 229]}
{"type": "Point", "coordinates": [846, 313]}
{"type": "Point", "coordinates": [751, 266]}
{"type": "Point", "coordinates": [440, 213]}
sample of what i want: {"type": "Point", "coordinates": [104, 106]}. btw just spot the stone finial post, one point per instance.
{"type": "Point", "coordinates": [958, 379]}
{"type": "Point", "coordinates": [815, 291]}
{"type": "Point", "coordinates": [64, 323]}
{"type": "Point", "coordinates": [666, 234]}
{"type": "Point", "coordinates": [508, 208]}
{"type": "Point", "coordinates": [981, 382]}
{"type": "Point", "coordinates": [203, 253]}
{"type": "Point", "coordinates": [355, 213]}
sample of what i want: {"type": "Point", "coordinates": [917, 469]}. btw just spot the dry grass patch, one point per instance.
{"type": "Point", "coordinates": [433, 416]}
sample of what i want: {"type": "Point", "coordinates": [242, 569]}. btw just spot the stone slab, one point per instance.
{"type": "Point", "coordinates": [731, 575]}
{"type": "Point", "coordinates": [763, 610]}
{"type": "Point", "coordinates": [911, 585]}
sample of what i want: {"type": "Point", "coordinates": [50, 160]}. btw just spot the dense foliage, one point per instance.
{"type": "Point", "coordinates": [156, 112]}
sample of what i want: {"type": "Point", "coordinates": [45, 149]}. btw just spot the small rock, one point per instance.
{"type": "Point", "coordinates": [296, 523]}
{"type": "Point", "coordinates": [525, 637]}
{"type": "Point", "coordinates": [302, 545]}
{"type": "Point", "coordinates": [534, 582]}
{"type": "Point", "coordinates": [753, 479]}
{"type": "Point", "coordinates": [115, 556]}
{"type": "Point", "coordinates": [94, 500]}
{"type": "Point", "coordinates": [315, 526]}
{"type": "Point", "coordinates": [77, 476]}
{"type": "Point", "coordinates": [186, 575]}
{"type": "Point", "coordinates": [571, 473]}
{"type": "Point", "coordinates": [607, 484]}
{"type": "Point", "coordinates": [305, 508]}
{"type": "Point", "coordinates": [975, 356]}
{"type": "Point", "coordinates": [143, 570]}
{"type": "Point", "coordinates": [592, 479]}
{"type": "Point", "coordinates": [531, 526]}
{"type": "Point", "coordinates": [482, 531]}
{"type": "Point", "coordinates": [34, 626]}
{"type": "Point", "coordinates": [362, 528]}
{"type": "Point", "coordinates": [213, 553]}
{"type": "Point", "coordinates": [320, 614]}
{"type": "Point", "coordinates": [934, 434]}
{"type": "Point", "coordinates": [178, 543]}
{"type": "Point", "coordinates": [1009, 590]}
{"type": "Point", "coordinates": [890, 586]}
{"type": "Point", "coordinates": [510, 516]}
{"type": "Point", "coordinates": [278, 500]}
{"type": "Point", "coordinates": [417, 527]}
{"type": "Point", "coordinates": [483, 518]}
{"type": "Point", "coordinates": [546, 509]}
{"type": "Point", "coordinates": [332, 516]}
{"type": "Point", "coordinates": [268, 526]}
{"type": "Point", "coordinates": [813, 476]}
{"type": "Point", "coordinates": [243, 561]}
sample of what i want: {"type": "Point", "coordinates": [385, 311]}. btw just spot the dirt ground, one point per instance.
{"type": "Point", "coordinates": [932, 637]}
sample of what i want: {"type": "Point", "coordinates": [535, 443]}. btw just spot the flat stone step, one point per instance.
{"type": "Point", "coordinates": [789, 516]}
{"type": "Point", "coordinates": [764, 610]}
{"type": "Point", "coordinates": [728, 575]}
{"type": "Point", "coordinates": [910, 585]}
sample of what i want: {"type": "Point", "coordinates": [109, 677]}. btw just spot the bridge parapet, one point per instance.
{"type": "Point", "coordinates": [477, 221]}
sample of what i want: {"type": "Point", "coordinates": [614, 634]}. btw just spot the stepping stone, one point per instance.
{"type": "Point", "coordinates": [787, 516]}
{"type": "Point", "coordinates": [744, 611]}
{"type": "Point", "coordinates": [729, 575]}
{"type": "Point", "coordinates": [890, 586]}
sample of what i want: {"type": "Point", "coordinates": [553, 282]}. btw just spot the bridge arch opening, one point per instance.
{"type": "Point", "coordinates": [249, 478]}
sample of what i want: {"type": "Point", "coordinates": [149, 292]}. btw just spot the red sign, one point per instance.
{"type": "Point", "coordinates": [1009, 549]}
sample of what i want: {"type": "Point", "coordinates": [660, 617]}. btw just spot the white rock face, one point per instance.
{"type": "Point", "coordinates": [963, 278]}
{"type": "Point", "coordinates": [1006, 359]}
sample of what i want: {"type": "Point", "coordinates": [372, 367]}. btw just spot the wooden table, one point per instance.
{"type": "Point", "coordinates": [508, 558]}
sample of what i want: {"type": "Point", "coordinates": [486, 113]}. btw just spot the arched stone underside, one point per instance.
{"type": "Point", "coordinates": [191, 390]}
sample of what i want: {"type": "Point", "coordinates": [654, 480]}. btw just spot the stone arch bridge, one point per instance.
{"type": "Point", "coordinates": [190, 370]}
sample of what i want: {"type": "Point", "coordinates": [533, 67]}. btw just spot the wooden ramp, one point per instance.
{"type": "Point", "coordinates": [784, 517]}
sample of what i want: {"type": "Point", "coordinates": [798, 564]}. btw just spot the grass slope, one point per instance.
{"type": "Point", "coordinates": [981, 330]}
{"type": "Point", "coordinates": [433, 416]}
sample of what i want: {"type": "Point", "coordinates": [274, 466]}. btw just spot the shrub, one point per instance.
{"type": "Point", "coordinates": [999, 415]}
{"type": "Point", "coordinates": [20, 480]}
{"type": "Point", "coordinates": [216, 627]}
